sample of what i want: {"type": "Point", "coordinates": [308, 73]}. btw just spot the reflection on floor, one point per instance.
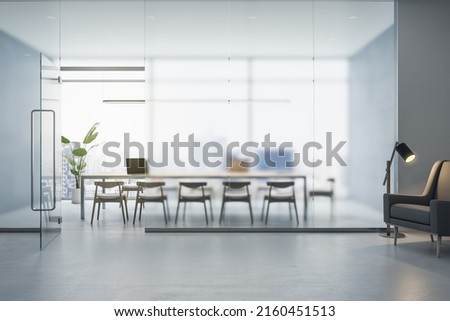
{"type": "Point", "coordinates": [113, 261]}
{"type": "Point", "coordinates": [320, 214]}
{"type": "Point", "coordinates": [22, 218]}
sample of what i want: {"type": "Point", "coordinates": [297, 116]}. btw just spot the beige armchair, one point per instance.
{"type": "Point", "coordinates": [429, 211]}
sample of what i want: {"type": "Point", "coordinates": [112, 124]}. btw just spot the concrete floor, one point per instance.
{"type": "Point", "coordinates": [110, 261]}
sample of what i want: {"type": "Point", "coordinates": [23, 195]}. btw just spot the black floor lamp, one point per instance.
{"type": "Point", "coordinates": [407, 154]}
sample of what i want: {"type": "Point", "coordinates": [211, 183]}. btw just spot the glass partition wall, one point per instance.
{"type": "Point", "coordinates": [103, 71]}
{"type": "Point", "coordinates": [355, 104]}
{"type": "Point", "coordinates": [301, 91]}
{"type": "Point", "coordinates": [30, 126]}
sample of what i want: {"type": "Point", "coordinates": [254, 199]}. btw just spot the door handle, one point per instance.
{"type": "Point", "coordinates": [53, 178]}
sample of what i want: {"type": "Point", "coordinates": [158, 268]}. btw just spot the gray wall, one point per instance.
{"type": "Point", "coordinates": [372, 127]}
{"type": "Point", "coordinates": [19, 94]}
{"type": "Point", "coordinates": [424, 87]}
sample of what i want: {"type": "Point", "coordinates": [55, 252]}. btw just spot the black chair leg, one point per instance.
{"type": "Point", "coordinates": [438, 248]}
{"type": "Point", "coordinates": [395, 234]}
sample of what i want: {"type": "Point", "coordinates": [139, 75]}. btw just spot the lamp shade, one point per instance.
{"type": "Point", "coordinates": [405, 152]}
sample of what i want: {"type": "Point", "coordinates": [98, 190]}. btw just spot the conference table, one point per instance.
{"type": "Point", "coordinates": [262, 175]}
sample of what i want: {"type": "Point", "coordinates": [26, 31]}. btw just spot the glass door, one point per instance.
{"type": "Point", "coordinates": [46, 154]}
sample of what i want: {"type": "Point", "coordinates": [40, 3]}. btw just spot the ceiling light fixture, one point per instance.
{"type": "Point", "coordinates": [176, 101]}
{"type": "Point", "coordinates": [103, 68]}
{"type": "Point", "coordinates": [124, 101]}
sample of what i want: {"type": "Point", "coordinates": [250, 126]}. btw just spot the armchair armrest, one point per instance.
{"type": "Point", "coordinates": [391, 199]}
{"type": "Point", "coordinates": [440, 217]}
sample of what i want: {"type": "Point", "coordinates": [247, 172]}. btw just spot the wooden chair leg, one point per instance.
{"type": "Point", "coordinates": [262, 211]}
{"type": "Point", "coordinates": [164, 209]}
{"type": "Point", "coordinates": [296, 212]}
{"type": "Point", "coordinates": [211, 211]}
{"type": "Point", "coordinates": [251, 211]}
{"type": "Point", "coordinates": [93, 212]}
{"type": "Point", "coordinates": [140, 210]}
{"type": "Point", "coordinates": [123, 212]}
{"type": "Point", "coordinates": [98, 210]}
{"type": "Point", "coordinates": [267, 212]}
{"type": "Point", "coordinates": [221, 211]}
{"type": "Point", "coordinates": [206, 212]}
{"type": "Point", "coordinates": [432, 238]}
{"type": "Point", "coordinates": [168, 211]}
{"type": "Point", "coordinates": [126, 208]}
{"type": "Point", "coordinates": [176, 215]}
{"type": "Point", "coordinates": [135, 211]}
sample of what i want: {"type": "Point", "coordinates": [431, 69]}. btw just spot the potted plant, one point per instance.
{"type": "Point", "coordinates": [77, 158]}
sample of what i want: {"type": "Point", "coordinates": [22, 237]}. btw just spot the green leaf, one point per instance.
{"type": "Point", "coordinates": [81, 166]}
{"type": "Point", "coordinates": [74, 172]}
{"type": "Point", "coordinates": [93, 146]}
{"type": "Point", "coordinates": [64, 140]}
{"type": "Point", "coordinates": [90, 139]}
{"type": "Point", "coordinates": [90, 132]}
{"type": "Point", "coordinates": [79, 152]}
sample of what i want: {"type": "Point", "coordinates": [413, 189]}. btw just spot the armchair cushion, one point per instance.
{"type": "Point", "coordinates": [411, 212]}
{"type": "Point", "coordinates": [392, 199]}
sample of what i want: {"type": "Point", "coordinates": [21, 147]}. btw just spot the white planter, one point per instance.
{"type": "Point", "coordinates": [76, 196]}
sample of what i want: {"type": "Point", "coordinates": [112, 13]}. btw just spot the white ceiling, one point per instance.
{"type": "Point", "coordinates": [129, 29]}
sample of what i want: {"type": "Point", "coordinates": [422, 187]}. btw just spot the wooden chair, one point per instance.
{"type": "Point", "coordinates": [196, 193]}
{"type": "Point", "coordinates": [278, 193]}
{"type": "Point", "coordinates": [109, 197]}
{"type": "Point", "coordinates": [236, 192]}
{"type": "Point", "coordinates": [158, 197]}
{"type": "Point", "coordinates": [324, 192]}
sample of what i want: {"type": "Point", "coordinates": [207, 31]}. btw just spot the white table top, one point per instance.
{"type": "Point", "coordinates": [220, 175]}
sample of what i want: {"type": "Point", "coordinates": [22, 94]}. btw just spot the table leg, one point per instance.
{"type": "Point", "coordinates": [103, 191]}
{"type": "Point", "coordinates": [82, 197]}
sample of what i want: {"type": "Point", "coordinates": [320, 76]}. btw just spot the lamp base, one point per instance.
{"type": "Point", "coordinates": [391, 235]}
